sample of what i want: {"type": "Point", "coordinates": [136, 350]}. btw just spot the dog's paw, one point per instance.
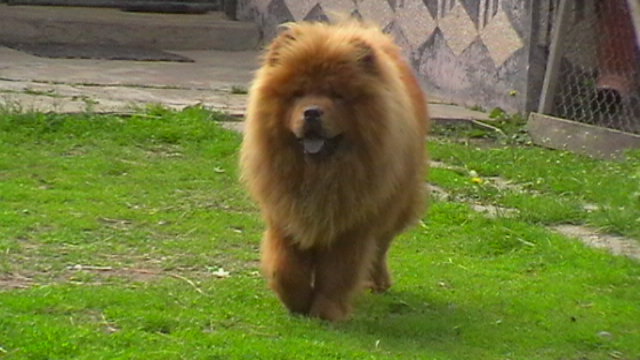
{"type": "Point", "coordinates": [330, 310]}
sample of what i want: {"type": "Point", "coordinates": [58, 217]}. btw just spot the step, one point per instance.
{"type": "Point", "coordinates": [104, 26]}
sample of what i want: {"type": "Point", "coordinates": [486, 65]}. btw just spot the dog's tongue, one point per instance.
{"type": "Point", "coordinates": [313, 145]}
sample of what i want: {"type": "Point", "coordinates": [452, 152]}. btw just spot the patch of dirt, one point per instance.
{"type": "Point", "coordinates": [441, 165]}
{"type": "Point", "coordinates": [618, 245]}
{"type": "Point", "coordinates": [165, 151]}
{"type": "Point", "coordinates": [438, 193]}
{"type": "Point", "coordinates": [131, 274]}
{"type": "Point", "coordinates": [15, 281]}
{"type": "Point", "coordinates": [97, 275]}
{"type": "Point", "coordinates": [491, 211]}
{"type": "Point", "coordinates": [77, 274]}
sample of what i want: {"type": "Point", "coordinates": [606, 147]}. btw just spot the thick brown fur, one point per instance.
{"type": "Point", "coordinates": [330, 219]}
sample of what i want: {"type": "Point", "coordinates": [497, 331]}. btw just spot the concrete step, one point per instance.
{"type": "Point", "coordinates": [103, 26]}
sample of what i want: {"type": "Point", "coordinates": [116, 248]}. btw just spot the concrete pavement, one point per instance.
{"type": "Point", "coordinates": [216, 79]}
{"type": "Point", "coordinates": [74, 85]}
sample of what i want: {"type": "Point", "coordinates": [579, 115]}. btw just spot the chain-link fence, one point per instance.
{"type": "Point", "coordinates": [595, 57]}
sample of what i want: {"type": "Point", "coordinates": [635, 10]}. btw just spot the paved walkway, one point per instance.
{"type": "Point", "coordinates": [216, 79]}
{"type": "Point", "coordinates": [74, 85]}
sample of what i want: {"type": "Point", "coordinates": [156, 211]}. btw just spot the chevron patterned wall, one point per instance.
{"type": "Point", "coordinates": [472, 52]}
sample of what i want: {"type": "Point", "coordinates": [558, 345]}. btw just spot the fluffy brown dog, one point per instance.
{"type": "Point", "coordinates": [334, 154]}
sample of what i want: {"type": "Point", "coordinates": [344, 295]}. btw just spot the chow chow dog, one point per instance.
{"type": "Point", "coordinates": [334, 154]}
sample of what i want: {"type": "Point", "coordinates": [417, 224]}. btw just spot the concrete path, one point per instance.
{"type": "Point", "coordinates": [216, 79]}
{"type": "Point", "coordinates": [74, 85]}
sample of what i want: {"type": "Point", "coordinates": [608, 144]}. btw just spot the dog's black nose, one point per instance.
{"type": "Point", "coordinates": [312, 113]}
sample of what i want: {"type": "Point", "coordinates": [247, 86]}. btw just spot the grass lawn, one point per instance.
{"type": "Point", "coordinates": [130, 238]}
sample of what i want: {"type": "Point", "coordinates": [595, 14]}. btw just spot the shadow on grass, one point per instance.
{"type": "Point", "coordinates": [406, 320]}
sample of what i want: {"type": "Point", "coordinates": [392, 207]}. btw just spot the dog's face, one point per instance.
{"type": "Point", "coordinates": [318, 122]}
{"type": "Point", "coordinates": [323, 86]}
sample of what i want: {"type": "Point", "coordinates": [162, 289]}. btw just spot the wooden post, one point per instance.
{"type": "Point", "coordinates": [555, 58]}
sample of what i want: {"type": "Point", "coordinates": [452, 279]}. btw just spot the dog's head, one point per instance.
{"type": "Point", "coordinates": [325, 77]}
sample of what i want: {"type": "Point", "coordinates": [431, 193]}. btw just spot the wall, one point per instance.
{"type": "Point", "coordinates": [469, 52]}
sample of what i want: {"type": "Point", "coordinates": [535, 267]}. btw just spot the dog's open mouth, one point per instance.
{"type": "Point", "coordinates": [318, 146]}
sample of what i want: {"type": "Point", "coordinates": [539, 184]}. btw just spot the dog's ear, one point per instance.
{"type": "Point", "coordinates": [366, 55]}
{"type": "Point", "coordinates": [286, 37]}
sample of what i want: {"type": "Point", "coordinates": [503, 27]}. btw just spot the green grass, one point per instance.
{"type": "Point", "coordinates": [559, 183]}
{"type": "Point", "coordinates": [150, 207]}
